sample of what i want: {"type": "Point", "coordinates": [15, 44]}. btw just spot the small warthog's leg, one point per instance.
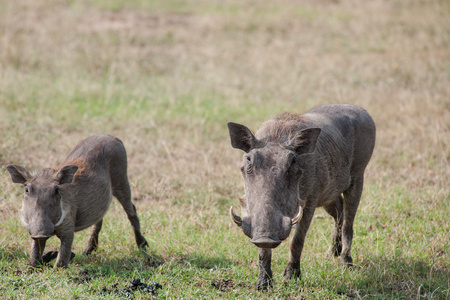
{"type": "Point", "coordinates": [265, 272]}
{"type": "Point", "coordinates": [37, 249]}
{"type": "Point", "coordinates": [93, 241]}
{"type": "Point", "coordinates": [296, 245]}
{"type": "Point", "coordinates": [123, 194]}
{"type": "Point", "coordinates": [65, 252]}
{"type": "Point", "coordinates": [352, 197]}
{"type": "Point", "coordinates": [335, 209]}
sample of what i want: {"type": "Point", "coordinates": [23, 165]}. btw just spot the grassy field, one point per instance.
{"type": "Point", "coordinates": [166, 76]}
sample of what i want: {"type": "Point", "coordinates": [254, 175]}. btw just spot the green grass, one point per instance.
{"type": "Point", "coordinates": [166, 77]}
{"type": "Point", "coordinates": [398, 250]}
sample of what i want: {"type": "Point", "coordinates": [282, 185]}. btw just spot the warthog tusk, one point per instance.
{"type": "Point", "coordinates": [63, 215]}
{"type": "Point", "coordinates": [236, 219]}
{"type": "Point", "coordinates": [298, 217]}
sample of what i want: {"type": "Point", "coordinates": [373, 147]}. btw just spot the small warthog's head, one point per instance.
{"type": "Point", "coordinates": [42, 207]}
{"type": "Point", "coordinates": [272, 175]}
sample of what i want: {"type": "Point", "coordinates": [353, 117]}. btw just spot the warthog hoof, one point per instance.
{"type": "Point", "coordinates": [143, 244]}
{"type": "Point", "coordinates": [291, 273]}
{"type": "Point", "coordinates": [263, 283]}
{"type": "Point", "coordinates": [346, 261]}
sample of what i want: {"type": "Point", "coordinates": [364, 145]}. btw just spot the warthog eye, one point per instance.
{"type": "Point", "coordinates": [27, 190]}
{"type": "Point", "coordinates": [293, 166]}
{"type": "Point", "coordinates": [292, 160]}
{"type": "Point", "coordinates": [57, 194]}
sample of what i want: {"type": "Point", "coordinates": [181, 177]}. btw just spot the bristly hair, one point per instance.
{"type": "Point", "coordinates": [80, 162]}
{"type": "Point", "coordinates": [44, 174]}
{"type": "Point", "coordinates": [282, 128]}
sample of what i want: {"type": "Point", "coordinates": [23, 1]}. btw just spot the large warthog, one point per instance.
{"type": "Point", "coordinates": [294, 164]}
{"type": "Point", "coordinates": [74, 196]}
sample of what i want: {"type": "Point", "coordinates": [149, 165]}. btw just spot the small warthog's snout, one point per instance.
{"type": "Point", "coordinates": [41, 230]}
{"type": "Point", "coordinates": [266, 242]}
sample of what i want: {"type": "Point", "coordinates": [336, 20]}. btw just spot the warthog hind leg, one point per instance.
{"type": "Point", "coordinates": [51, 255]}
{"type": "Point", "coordinates": [93, 241]}
{"type": "Point", "coordinates": [335, 209]}
{"type": "Point", "coordinates": [123, 194]}
{"type": "Point", "coordinates": [352, 197]}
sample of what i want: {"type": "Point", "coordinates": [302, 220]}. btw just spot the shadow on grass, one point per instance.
{"type": "Point", "coordinates": [399, 278]}
{"type": "Point", "coordinates": [143, 259]}
{"type": "Point", "coordinates": [379, 277]}
{"type": "Point", "coordinates": [205, 262]}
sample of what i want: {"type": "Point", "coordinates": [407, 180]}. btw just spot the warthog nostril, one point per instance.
{"type": "Point", "coordinates": [266, 242]}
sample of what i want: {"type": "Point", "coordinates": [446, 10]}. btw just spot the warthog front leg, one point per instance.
{"type": "Point", "coordinates": [93, 241]}
{"type": "Point", "coordinates": [37, 249]}
{"type": "Point", "coordinates": [265, 272]}
{"type": "Point", "coordinates": [65, 252]}
{"type": "Point", "coordinates": [296, 245]}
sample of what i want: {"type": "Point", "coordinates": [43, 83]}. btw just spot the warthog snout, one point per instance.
{"type": "Point", "coordinates": [41, 230]}
{"type": "Point", "coordinates": [264, 238]}
{"type": "Point", "coordinates": [266, 242]}
{"type": "Point", "coordinates": [40, 237]}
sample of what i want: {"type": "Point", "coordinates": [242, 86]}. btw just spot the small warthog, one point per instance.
{"type": "Point", "coordinates": [294, 164]}
{"type": "Point", "coordinates": [74, 196]}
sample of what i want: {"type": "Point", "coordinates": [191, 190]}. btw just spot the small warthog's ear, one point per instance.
{"type": "Point", "coordinates": [304, 141]}
{"type": "Point", "coordinates": [241, 137]}
{"type": "Point", "coordinates": [66, 174]}
{"type": "Point", "coordinates": [18, 174]}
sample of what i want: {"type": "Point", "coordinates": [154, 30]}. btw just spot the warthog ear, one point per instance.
{"type": "Point", "coordinates": [66, 174]}
{"type": "Point", "coordinates": [304, 141]}
{"type": "Point", "coordinates": [18, 174]}
{"type": "Point", "coordinates": [241, 137]}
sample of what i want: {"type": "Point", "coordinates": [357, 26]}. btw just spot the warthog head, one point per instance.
{"type": "Point", "coordinates": [272, 173]}
{"type": "Point", "coordinates": [42, 208]}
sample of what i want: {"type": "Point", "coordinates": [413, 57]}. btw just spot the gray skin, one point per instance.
{"type": "Point", "coordinates": [297, 163]}
{"type": "Point", "coordinates": [74, 196]}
